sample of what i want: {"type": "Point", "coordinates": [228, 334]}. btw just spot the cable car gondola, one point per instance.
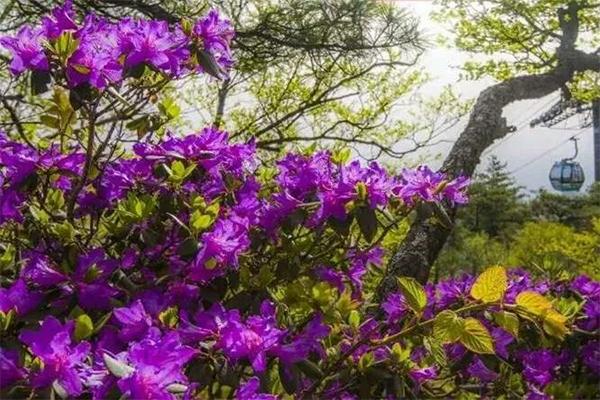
{"type": "Point", "coordinates": [567, 175]}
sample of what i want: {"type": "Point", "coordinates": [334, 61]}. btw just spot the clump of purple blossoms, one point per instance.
{"type": "Point", "coordinates": [27, 50]}
{"type": "Point", "coordinates": [62, 361]}
{"type": "Point", "coordinates": [106, 52]}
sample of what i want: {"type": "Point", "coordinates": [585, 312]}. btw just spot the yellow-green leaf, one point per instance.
{"type": "Point", "coordinates": [448, 326]}
{"type": "Point", "coordinates": [84, 327]}
{"type": "Point", "coordinates": [476, 337]}
{"type": "Point", "coordinates": [533, 302]}
{"type": "Point", "coordinates": [354, 319]}
{"type": "Point", "coordinates": [507, 321]}
{"type": "Point", "coordinates": [169, 317]}
{"type": "Point", "coordinates": [554, 324]}
{"type": "Point", "coordinates": [414, 294]}
{"type": "Point", "coordinates": [491, 285]}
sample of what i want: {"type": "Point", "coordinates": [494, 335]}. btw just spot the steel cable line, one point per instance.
{"type": "Point", "coordinates": [546, 152]}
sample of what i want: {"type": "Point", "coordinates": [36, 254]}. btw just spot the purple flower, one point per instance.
{"type": "Point", "coordinates": [501, 341]}
{"type": "Point", "coordinates": [455, 351]}
{"type": "Point", "coordinates": [536, 394]}
{"type": "Point", "coordinates": [205, 324]}
{"type": "Point", "coordinates": [10, 370]}
{"type": "Point", "coordinates": [251, 340]}
{"type": "Point", "coordinates": [591, 311]}
{"type": "Point", "coordinates": [300, 175]}
{"type": "Point", "coordinates": [308, 341]}
{"type": "Point", "coordinates": [590, 354]}
{"type": "Point", "coordinates": [479, 370]}
{"type": "Point", "coordinates": [95, 60]}
{"type": "Point", "coordinates": [216, 34]}
{"type": "Point", "coordinates": [250, 391]}
{"type": "Point", "coordinates": [424, 184]}
{"type": "Point", "coordinates": [421, 183]}
{"type": "Point", "coordinates": [423, 374]}
{"type": "Point", "coordinates": [134, 321]}
{"type": "Point", "coordinates": [38, 271]}
{"type": "Point", "coordinates": [27, 50]}
{"type": "Point", "coordinates": [157, 363]}
{"type": "Point", "coordinates": [20, 298]}
{"type": "Point", "coordinates": [359, 262]}
{"type": "Point", "coordinates": [377, 182]}
{"type": "Point", "coordinates": [586, 287]}
{"type": "Point", "coordinates": [62, 361]}
{"type": "Point", "coordinates": [539, 366]}
{"type": "Point", "coordinates": [61, 20]}
{"type": "Point", "coordinates": [221, 247]}
{"type": "Point", "coordinates": [11, 202]}
{"type": "Point", "coordinates": [455, 190]}
{"type": "Point", "coordinates": [452, 290]}
{"type": "Point", "coordinates": [331, 276]}
{"type": "Point", "coordinates": [152, 43]}
{"type": "Point", "coordinates": [520, 280]}
{"type": "Point", "coordinates": [90, 279]}
{"type": "Point", "coordinates": [395, 307]}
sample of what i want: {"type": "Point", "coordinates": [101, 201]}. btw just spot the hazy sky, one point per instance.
{"type": "Point", "coordinates": [525, 145]}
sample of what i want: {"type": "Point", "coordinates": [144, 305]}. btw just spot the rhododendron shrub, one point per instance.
{"type": "Point", "coordinates": [180, 266]}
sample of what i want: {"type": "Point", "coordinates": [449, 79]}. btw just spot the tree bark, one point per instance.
{"type": "Point", "coordinates": [425, 239]}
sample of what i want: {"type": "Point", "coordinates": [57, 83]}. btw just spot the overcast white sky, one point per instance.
{"type": "Point", "coordinates": [527, 144]}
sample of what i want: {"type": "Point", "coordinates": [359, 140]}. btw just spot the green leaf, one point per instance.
{"type": "Point", "coordinates": [507, 321]}
{"type": "Point", "coordinates": [116, 367]}
{"type": "Point", "coordinates": [414, 294]}
{"type": "Point", "coordinates": [367, 222]}
{"type": "Point", "coordinates": [64, 231]}
{"type": "Point", "coordinates": [448, 326]}
{"type": "Point", "coordinates": [55, 199]}
{"type": "Point", "coordinates": [200, 221]}
{"type": "Point", "coordinates": [476, 337]}
{"type": "Point", "coordinates": [101, 322]}
{"type": "Point", "coordinates": [188, 248]}
{"type": "Point", "coordinates": [354, 319]}
{"type": "Point", "coordinates": [208, 63]}
{"type": "Point", "coordinates": [39, 82]}
{"type": "Point", "coordinates": [169, 108]}
{"type": "Point", "coordinates": [50, 121]}
{"type": "Point", "coordinates": [554, 324]}
{"type": "Point", "coordinates": [289, 377]}
{"type": "Point", "coordinates": [169, 317]}
{"type": "Point", "coordinates": [84, 327]}
{"type": "Point", "coordinates": [39, 214]}
{"type": "Point", "coordinates": [310, 369]}
{"type": "Point", "coordinates": [491, 285]}
{"type": "Point", "coordinates": [6, 319]}
{"type": "Point", "coordinates": [399, 353]}
{"type": "Point", "coordinates": [342, 156]}
{"type": "Point", "coordinates": [434, 346]}
{"type": "Point", "coordinates": [7, 257]}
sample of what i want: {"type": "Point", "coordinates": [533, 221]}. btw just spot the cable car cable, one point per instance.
{"type": "Point", "coordinates": [545, 153]}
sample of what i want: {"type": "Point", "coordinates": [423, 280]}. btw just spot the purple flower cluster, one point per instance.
{"type": "Point", "coordinates": [107, 52]}
{"type": "Point", "coordinates": [313, 185]}
{"type": "Point", "coordinates": [62, 361]}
